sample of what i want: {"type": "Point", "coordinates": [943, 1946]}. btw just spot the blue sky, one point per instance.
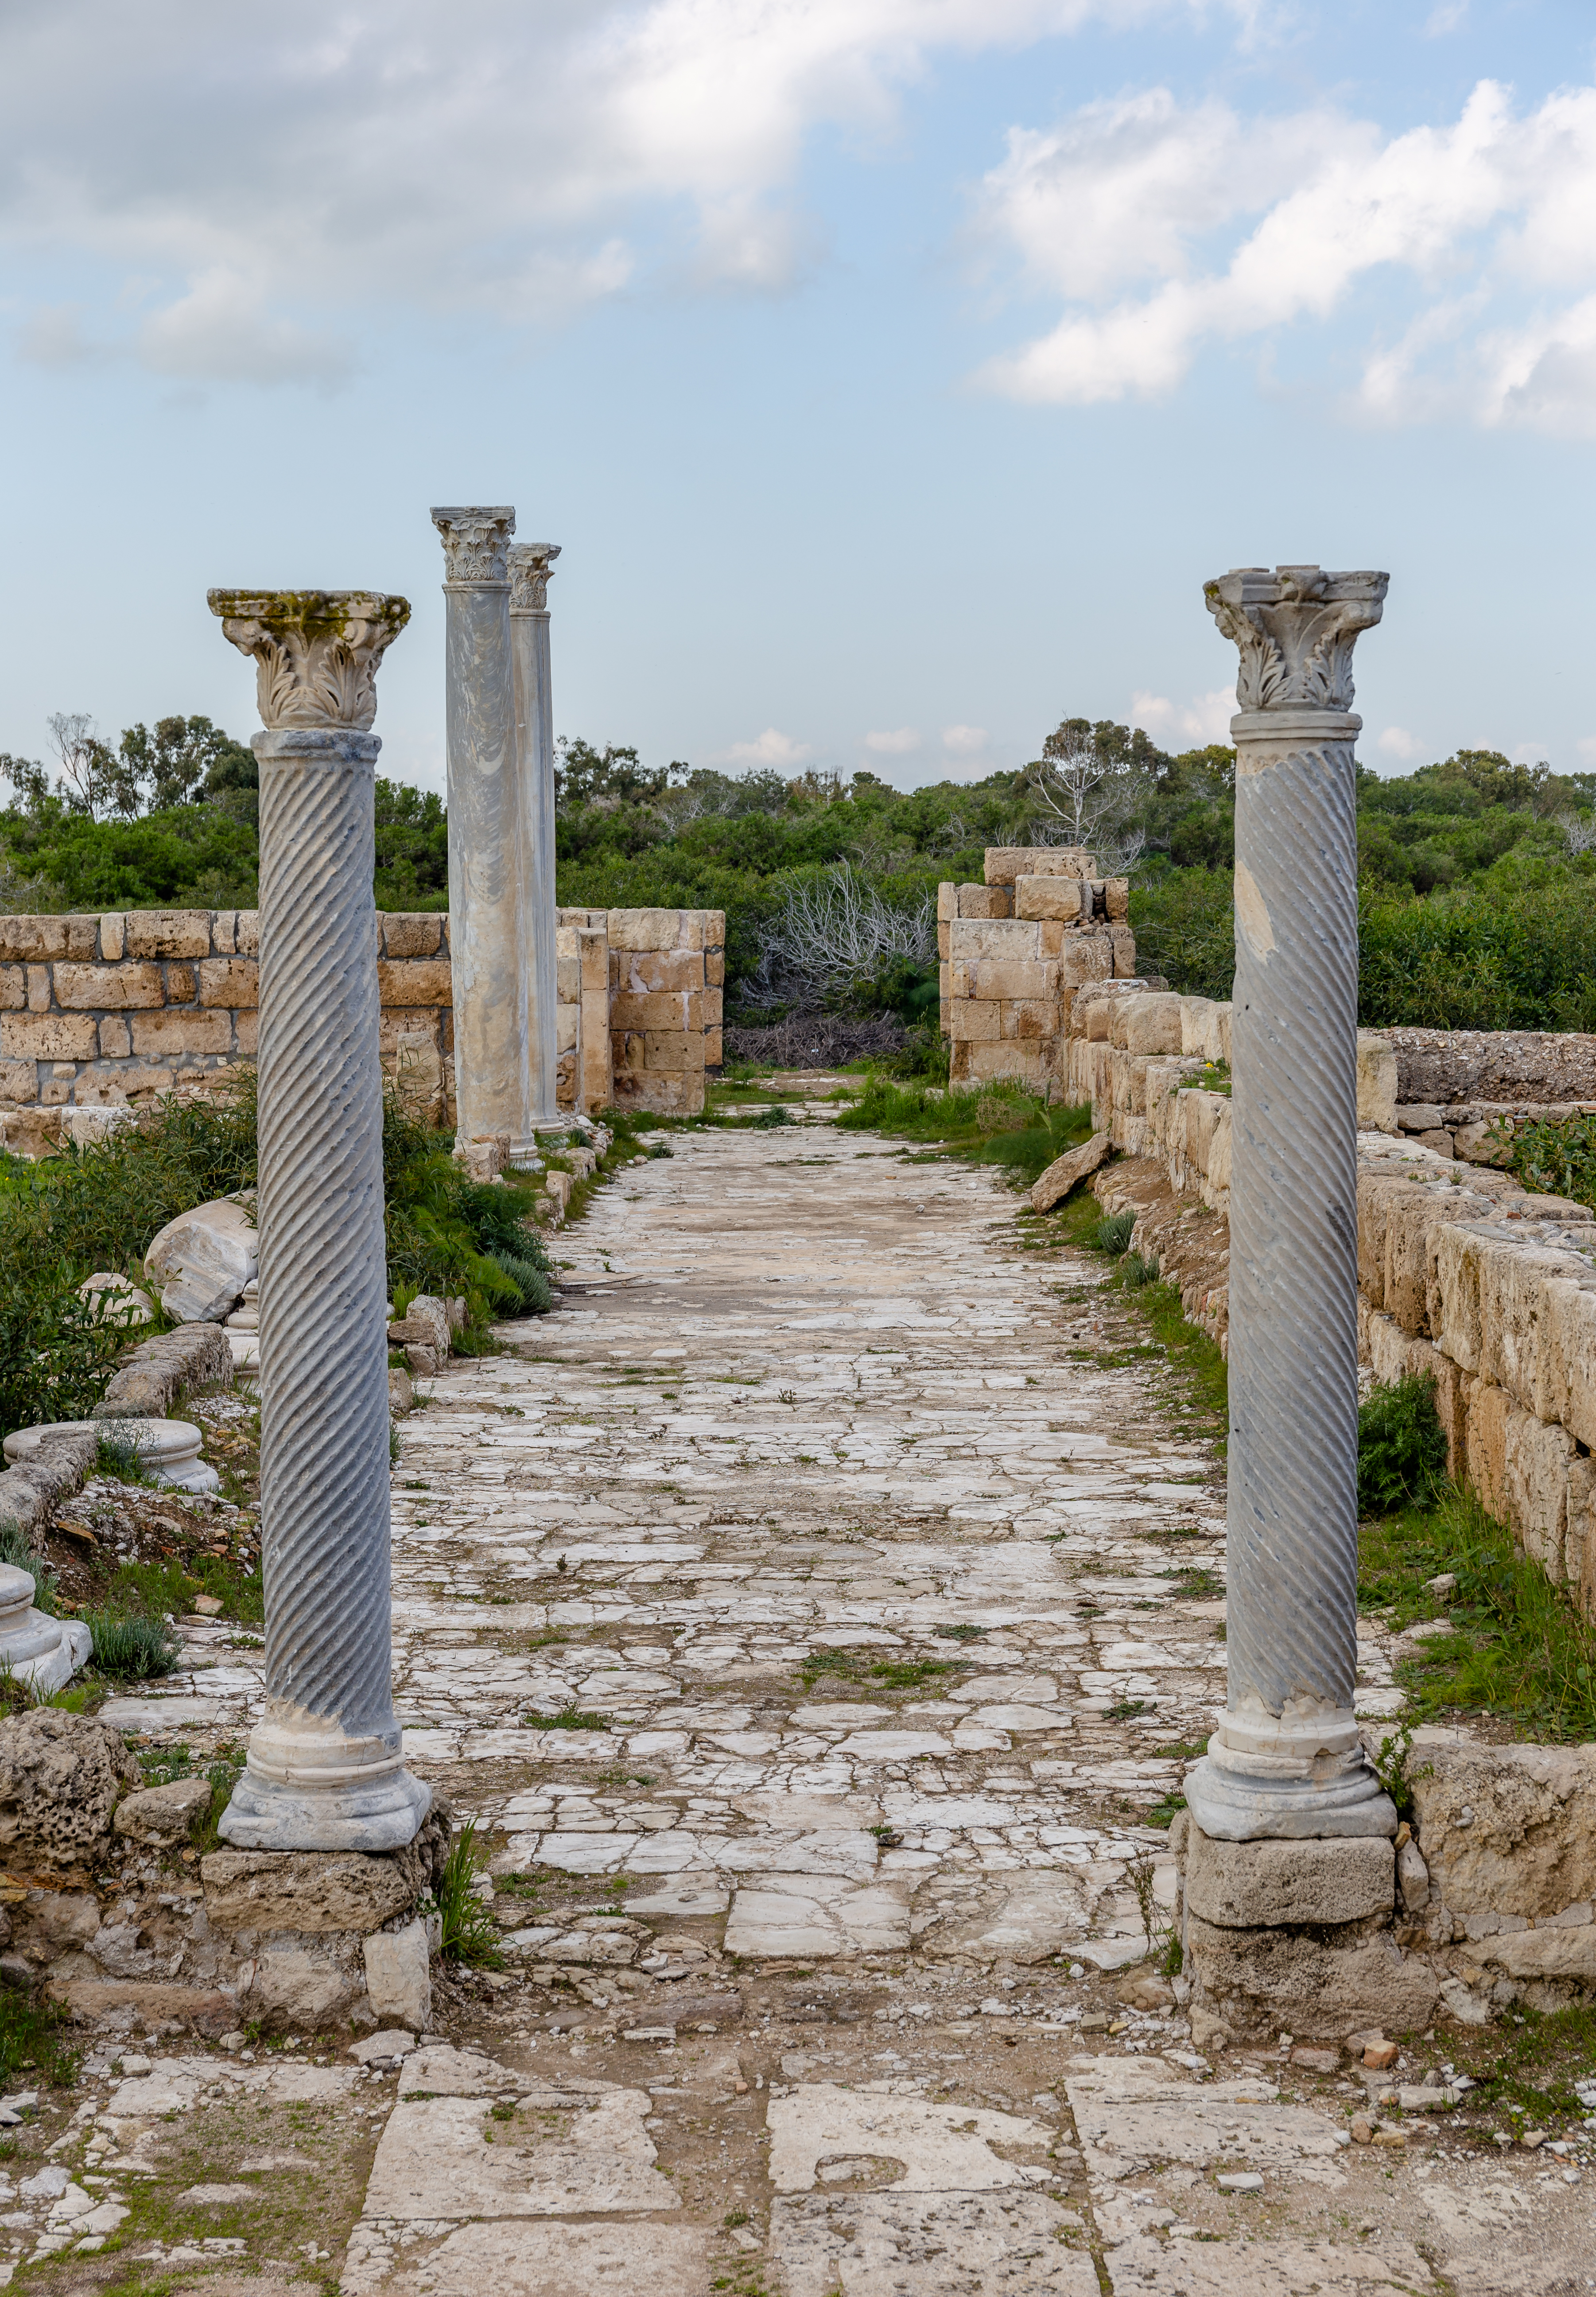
{"type": "Point", "coordinates": [891, 372]}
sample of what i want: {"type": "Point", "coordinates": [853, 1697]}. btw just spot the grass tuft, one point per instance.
{"type": "Point", "coordinates": [1402, 1445]}
{"type": "Point", "coordinates": [131, 1651]}
{"type": "Point", "coordinates": [470, 1933]}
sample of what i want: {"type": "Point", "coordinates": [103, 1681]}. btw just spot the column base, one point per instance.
{"type": "Point", "coordinates": [1299, 1774]}
{"type": "Point", "coordinates": [308, 1786]}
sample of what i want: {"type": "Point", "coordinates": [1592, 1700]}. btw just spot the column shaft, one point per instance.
{"type": "Point", "coordinates": [486, 859]}
{"type": "Point", "coordinates": [530, 571]}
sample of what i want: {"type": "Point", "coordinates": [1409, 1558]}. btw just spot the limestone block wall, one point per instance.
{"type": "Point", "coordinates": [1015, 952]}
{"type": "Point", "coordinates": [667, 975]}
{"type": "Point", "coordinates": [1461, 1273]}
{"type": "Point", "coordinates": [112, 1010]}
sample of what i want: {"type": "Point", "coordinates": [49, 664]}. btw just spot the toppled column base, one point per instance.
{"type": "Point", "coordinates": [1295, 1936]}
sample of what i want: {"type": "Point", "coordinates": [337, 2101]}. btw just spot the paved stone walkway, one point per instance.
{"type": "Point", "coordinates": [805, 1613]}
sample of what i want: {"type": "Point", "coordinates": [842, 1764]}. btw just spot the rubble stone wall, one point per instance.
{"type": "Point", "coordinates": [112, 1010]}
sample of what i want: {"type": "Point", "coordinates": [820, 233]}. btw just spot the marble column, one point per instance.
{"type": "Point", "coordinates": [325, 1770]}
{"type": "Point", "coordinates": [1286, 1759]}
{"type": "Point", "coordinates": [531, 563]}
{"type": "Point", "coordinates": [487, 872]}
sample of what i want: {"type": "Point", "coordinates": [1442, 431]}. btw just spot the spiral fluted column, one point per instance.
{"type": "Point", "coordinates": [1286, 1759]}
{"type": "Point", "coordinates": [325, 1770]}
{"type": "Point", "coordinates": [532, 564]}
{"type": "Point", "coordinates": [487, 857]}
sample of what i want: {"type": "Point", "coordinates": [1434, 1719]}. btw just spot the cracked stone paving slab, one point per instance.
{"type": "Point", "coordinates": [798, 1612]}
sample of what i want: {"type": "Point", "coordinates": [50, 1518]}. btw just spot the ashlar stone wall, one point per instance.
{"type": "Point", "coordinates": [1016, 951]}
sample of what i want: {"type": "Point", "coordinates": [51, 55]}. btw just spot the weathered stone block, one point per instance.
{"type": "Point", "coordinates": [975, 1019]}
{"type": "Point", "coordinates": [630, 929]}
{"type": "Point", "coordinates": [181, 984]}
{"type": "Point", "coordinates": [18, 1080]}
{"type": "Point", "coordinates": [643, 973]}
{"type": "Point", "coordinates": [1005, 1058]}
{"type": "Point", "coordinates": [413, 934]}
{"type": "Point", "coordinates": [1146, 1024]}
{"type": "Point", "coordinates": [40, 992]}
{"type": "Point", "coordinates": [1323, 1983]}
{"type": "Point", "coordinates": [246, 1035]}
{"type": "Point", "coordinates": [167, 932]}
{"type": "Point", "coordinates": [1034, 1018]}
{"type": "Point", "coordinates": [160, 1372]}
{"type": "Point", "coordinates": [415, 980]}
{"type": "Point", "coordinates": [1006, 864]}
{"type": "Point", "coordinates": [983, 902]}
{"type": "Point", "coordinates": [248, 932]}
{"type": "Point", "coordinates": [1489, 1411]}
{"type": "Point", "coordinates": [1006, 939]}
{"type": "Point", "coordinates": [399, 1978]}
{"type": "Point", "coordinates": [182, 1030]}
{"type": "Point", "coordinates": [13, 988]}
{"type": "Point", "coordinates": [1508, 1829]}
{"type": "Point", "coordinates": [714, 968]}
{"type": "Point", "coordinates": [1267, 1885]}
{"type": "Point", "coordinates": [1062, 898]}
{"type": "Point", "coordinates": [61, 1776]}
{"type": "Point", "coordinates": [713, 1048]}
{"type": "Point", "coordinates": [672, 1049]}
{"type": "Point", "coordinates": [1376, 1083]}
{"type": "Point", "coordinates": [49, 1036]}
{"type": "Point", "coordinates": [163, 1814]}
{"type": "Point", "coordinates": [1085, 957]}
{"type": "Point", "coordinates": [678, 1009]}
{"type": "Point", "coordinates": [311, 1891]}
{"type": "Point", "coordinates": [230, 981]}
{"type": "Point", "coordinates": [49, 937]}
{"type": "Point", "coordinates": [1065, 1172]}
{"type": "Point", "coordinates": [113, 936]}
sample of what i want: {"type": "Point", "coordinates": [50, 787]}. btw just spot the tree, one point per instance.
{"type": "Point", "coordinates": [613, 776]}
{"type": "Point", "coordinates": [186, 759]}
{"type": "Point", "coordinates": [93, 779]}
{"type": "Point", "coordinates": [1091, 782]}
{"type": "Point", "coordinates": [27, 778]}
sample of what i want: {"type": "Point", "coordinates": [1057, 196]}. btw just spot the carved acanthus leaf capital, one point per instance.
{"type": "Point", "coordinates": [475, 538]}
{"type": "Point", "coordinates": [1295, 628]}
{"type": "Point", "coordinates": [316, 651]}
{"type": "Point", "coordinates": [532, 565]}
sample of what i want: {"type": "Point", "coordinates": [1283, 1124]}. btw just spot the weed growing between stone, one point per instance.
{"type": "Point", "coordinates": [469, 1932]}
{"type": "Point", "coordinates": [859, 1670]}
{"type": "Point", "coordinates": [131, 1650]}
{"type": "Point", "coordinates": [1517, 1648]}
{"type": "Point", "coordinates": [1554, 1159]}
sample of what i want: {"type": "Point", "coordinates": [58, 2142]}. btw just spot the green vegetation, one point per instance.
{"type": "Point", "coordinates": [470, 1933]}
{"type": "Point", "coordinates": [1402, 1445]}
{"type": "Point", "coordinates": [64, 1216]}
{"type": "Point", "coordinates": [1517, 1647]}
{"type": "Point", "coordinates": [131, 1650]}
{"type": "Point", "coordinates": [1555, 1160]}
{"type": "Point", "coordinates": [569, 1718]}
{"type": "Point", "coordinates": [30, 2042]}
{"type": "Point", "coordinates": [859, 1665]}
{"type": "Point", "coordinates": [986, 1124]}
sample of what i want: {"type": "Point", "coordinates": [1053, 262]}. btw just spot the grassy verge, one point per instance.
{"type": "Point", "coordinates": [997, 1123]}
{"type": "Point", "coordinates": [1516, 1646]}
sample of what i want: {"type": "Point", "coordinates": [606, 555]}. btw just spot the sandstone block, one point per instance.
{"type": "Point", "coordinates": [231, 981]}
{"type": "Point", "coordinates": [13, 988]}
{"type": "Point", "coordinates": [678, 1009]}
{"type": "Point", "coordinates": [412, 933]}
{"type": "Point", "coordinates": [1124, 954]}
{"type": "Point", "coordinates": [973, 1019]}
{"type": "Point", "coordinates": [163, 1814]}
{"type": "Point", "coordinates": [1539, 1458]}
{"type": "Point", "coordinates": [633, 930]}
{"type": "Point", "coordinates": [1085, 957]}
{"type": "Point", "coordinates": [983, 902]}
{"type": "Point", "coordinates": [1006, 939]}
{"type": "Point", "coordinates": [947, 901]}
{"type": "Point", "coordinates": [399, 1978]}
{"type": "Point", "coordinates": [713, 1014]}
{"type": "Point", "coordinates": [1333, 1984]}
{"type": "Point", "coordinates": [714, 928]}
{"type": "Point", "coordinates": [49, 1036]}
{"type": "Point", "coordinates": [1065, 1172]}
{"type": "Point", "coordinates": [312, 1891]}
{"type": "Point", "coordinates": [414, 980]}
{"type": "Point", "coordinates": [182, 1031]}
{"type": "Point", "coordinates": [1146, 1024]}
{"type": "Point", "coordinates": [246, 1035]}
{"type": "Point", "coordinates": [115, 1044]}
{"type": "Point", "coordinates": [167, 932]}
{"type": "Point", "coordinates": [1557, 1952]}
{"type": "Point", "coordinates": [201, 1261]}
{"type": "Point", "coordinates": [248, 932]}
{"type": "Point", "coordinates": [1265, 1885]}
{"type": "Point", "coordinates": [655, 972]}
{"type": "Point", "coordinates": [1489, 1409]}
{"type": "Point", "coordinates": [1006, 1058]}
{"type": "Point", "coordinates": [672, 1049]}
{"type": "Point", "coordinates": [1413, 1878]}
{"type": "Point", "coordinates": [1032, 1019]}
{"type": "Point", "coordinates": [181, 984]}
{"type": "Point", "coordinates": [426, 1324]}
{"type": "Point", "coordinates": [1376, 1083]}
{"type": "Point", "coordinates": [1006, 864]}
{"type": "Point", "coordinates": [45, 938]}
{"type": "Point", "coordinates": [224, 933]}
{"type": "Point", "coordinates": [1116, 899]}
{"type": "Point", "coordinates": [61, 1775]}
{"type": "Point", "coordinates": [1012, 977]}
{"type": "Point", "coordinates": [38, 989]}
{"type": "Point", "coordinates": [714, 968]}
{"type": "Point", "coordinates": [1508, 1829]}
{"type": "Point", "coordinates": [1064, 898]}
{"type": "Point", "coordinates": [1565, 1369]}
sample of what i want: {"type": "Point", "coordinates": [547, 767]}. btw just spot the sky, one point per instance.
{"type": "Point", "coordinates": [891, 373]}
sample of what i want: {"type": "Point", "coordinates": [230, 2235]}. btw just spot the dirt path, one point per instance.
{"type": "Point", "coordinates": [869, 1581]}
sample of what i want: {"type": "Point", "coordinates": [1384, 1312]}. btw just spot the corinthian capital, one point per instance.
{"type": "Point", "coordinates": [532, 565]}
{"type": "Point", "coordinates": [316, 651]}
{"type": "Point", "coordinates": [475, 542]}
{"type": "Point", "coordinates": [1295, 628]}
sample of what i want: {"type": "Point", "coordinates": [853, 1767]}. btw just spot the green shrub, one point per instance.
{"type": "Point", "coordinates": [55, 1359]}
{"type": "Point", "coordinates": [1402, 1446]}
{"type": "Point", "coordinates": [470, 1933]}
{"type": "Point", "coordinates": [131, 1650]}
{"type": "Point", "coordinates": [1556, 1158]}
{"type": "Point", "coordinates": [536, 1290]}
{"type": "Point", "coordinates": [1139, 1269]}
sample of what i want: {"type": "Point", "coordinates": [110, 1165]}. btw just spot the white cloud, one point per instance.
{"type": "Point", "coordinates": [769, 748]}
{"type": "Point", "coordinates": [1398, 743]}
{"type": "Point", "coordinates": [965, 741]}
{"type": "Point", "coordinates": [1446, 16]}
{"type": "Point", "coordinates": [510, 156]}
{"type": "Point", "coordinates": [895, 744]}
{"type": "Point", "coordinates": [1486, 228]}
{"type": "Point", "coordinates": [1193, 725]}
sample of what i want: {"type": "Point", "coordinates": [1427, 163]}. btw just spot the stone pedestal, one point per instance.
{"type": "Point", "coordinates": [532, 564]}
{"type": "Point", "coordinates": [325, 1771]}
{"type": "Point", "coordinates": [487, 857]}
{"type": "Point", "coordinates": [1287, 1759]}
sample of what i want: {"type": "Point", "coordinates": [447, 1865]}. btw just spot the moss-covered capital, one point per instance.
{"type": "Point", "coordinates": [316, 651]}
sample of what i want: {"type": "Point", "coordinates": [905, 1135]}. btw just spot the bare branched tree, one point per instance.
{"type": "Point", "coordinates": [93, 779]}
{"type": "Point", "coordinates": [1579, 831]}
{"type": "Point", "coordinates": [833, 933]}
{"type": "Point", "coordinates": [1085, 796]}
